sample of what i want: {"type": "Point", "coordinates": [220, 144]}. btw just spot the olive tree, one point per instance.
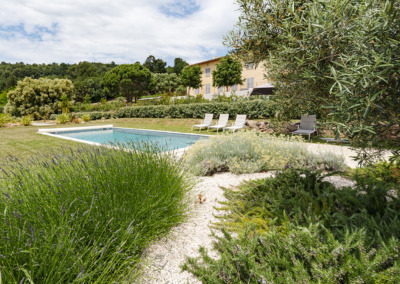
{"type": "Point", "coordinates": [338, 59]}
{"type": "Point", "coordinates": [228, 72]}
{"type": "Point", "coordinates": [131, 80]}
{"type": "Point", "coordinates": [39, 97]}
{"type": "Point", "coordinates": [166, 83]}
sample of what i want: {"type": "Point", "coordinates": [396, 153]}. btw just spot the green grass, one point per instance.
{"type": "Point", "coordinates": [86, 215]}
{"type": "Point", "coordinates": [24, 141]}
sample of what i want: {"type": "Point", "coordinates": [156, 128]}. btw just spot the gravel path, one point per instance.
{"type": "Point", "coordinates": [165, 257]}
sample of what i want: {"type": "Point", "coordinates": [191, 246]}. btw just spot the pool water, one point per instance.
{"type": "Point", "coordinates": [115, 135]}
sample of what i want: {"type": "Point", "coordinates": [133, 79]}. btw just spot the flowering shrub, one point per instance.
{"type": "Point", "coordinates": [248, 152]}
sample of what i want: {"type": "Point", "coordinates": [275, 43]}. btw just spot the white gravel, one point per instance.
{"type": "Point", "coordinates": [166, 256]}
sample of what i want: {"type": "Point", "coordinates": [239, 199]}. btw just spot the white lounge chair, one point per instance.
{"type": "Point", "coordinates": [222, 122]}
{"type": "Point", "coordinates": [206, 122]}
{"type": "Point", "coordinates": [239, 123]}
{"type": "Point", "coordinates": [307, 126]}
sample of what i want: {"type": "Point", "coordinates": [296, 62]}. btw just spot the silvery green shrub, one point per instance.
{"type": "Point", "coordinates": [38, 97]}
{"type": "Point", "coordinates": [249, 152]}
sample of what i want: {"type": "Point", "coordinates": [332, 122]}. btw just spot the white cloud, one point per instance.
{"type": "Point", "coordinates": [42, 31]}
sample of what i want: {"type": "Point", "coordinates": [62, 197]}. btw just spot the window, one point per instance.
{"type": "Point", "coordinates": [196, 91]}
{"type": "Point", "coordinates": [234, 88]}
{"type": "Point", "coordinates": [208, 72]}
{"type": "Point", "coordinates": [220, 90]}
{"type": "Point", "coordinates": [208, 88]}
{"type": "Point", "coordinates": [250, 83]}
{"type": "Point", "coordinates": [249, 66]}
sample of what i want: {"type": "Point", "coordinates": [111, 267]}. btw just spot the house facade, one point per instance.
{"type": "Point", "coordinates": [252, 76]}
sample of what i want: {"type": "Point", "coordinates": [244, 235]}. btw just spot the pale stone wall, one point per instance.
{"type": "Point", "coordinates": [256, 76]}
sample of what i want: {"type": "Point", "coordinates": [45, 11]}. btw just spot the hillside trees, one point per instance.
{"type": "Point", "coordinates": [10, 74]}
{"type": "Point", "coordinates": [38, 97]}
{"type": "Point", "coordinates": [179, 64]}
{"type": "Point", "coordinates": [339, 59]}
{"type": "Point", "coordinates": [155, 65]}
{"type": "Point", "coordinates": [191, 77]}
{"type": "Point", "coordinates": [228, 73]}
{"type": "Point", "coordinates": [131, 80]}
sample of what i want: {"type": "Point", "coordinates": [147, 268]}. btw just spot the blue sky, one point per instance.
{"type": "Point", "coordinates": [123, 31]}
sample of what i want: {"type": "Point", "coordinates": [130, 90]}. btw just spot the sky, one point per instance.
{"type": "Point", "coordinates": [123, 31]}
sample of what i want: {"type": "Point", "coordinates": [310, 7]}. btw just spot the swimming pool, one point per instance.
{"type": "Point", "coordinates": [109, 135]}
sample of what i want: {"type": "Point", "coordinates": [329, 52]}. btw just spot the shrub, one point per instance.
{"type": "Point", "coordinates": [1, 109]}
{"type": "Point", "coordinates": [76, 120]}
{"type": "Point", "coordinates": [95, 115]}
{"type": "Point", "coordinates": [253, 109]}
{"type": "Point", "coordinates": [26, 120]}
{"type": "Point", "coordinates": [249, 152]}
{"type": "Point", "coordinates": [38, 97]}
{"type": "Point", "coordinates": [5, 118]}
{"type": "Point", "coordinates": [383, 171]}
{"type": "Point", "coordinates": [85, 117]}
{"type": "Point", "coordinates": [87, 99]}
{"type": "Point", "coordinates": [78, 107]}
{"type": "Point", "coordinates": [87, 215]}
{"type": "Point", "coordinates": [3, 97]}
{"type": "Point", "coordinates": [63, 118]}
{"type": "Point", "coordinates": [53, 116]}
{"type": "Point", "coordinates": [107, 115]}
{"type": "Point", "coordinates": [296, 228]}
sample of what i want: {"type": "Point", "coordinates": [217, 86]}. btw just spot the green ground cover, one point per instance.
{"type": "Point", "coordinates": [86, 215]}
{"type": "Point", "coordinates": [289, 228]}
{"type": "Point", "coordinates": [250, 152]}
{"type": "Point", "coordinates": [24, 141]}
{"type": "Point", "coordinates": [297, 228]}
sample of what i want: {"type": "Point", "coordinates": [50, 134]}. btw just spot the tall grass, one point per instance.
{"type": "Point", "coordinates": [5, 118]}
{"type": "Point", "coordinates": [26, 120]}
{"type": "Point", "coordinates": [248, 152]}
{"type": "Point", "coordinates": [86, 215]}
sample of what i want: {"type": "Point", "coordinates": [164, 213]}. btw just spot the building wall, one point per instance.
{"type": "Point", "coordinates": [255, 76]}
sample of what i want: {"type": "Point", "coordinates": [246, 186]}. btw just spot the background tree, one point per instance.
{"type": "Point", "coordinates": [179, 64]}
{"type": "Point", "coordinates": [90, 86]}
{"type": "Point", "coordinates": [191, 77]}
{"type": "Point", "coordinates": [339, 59]}
{"type": "Point", "coordinates": [131, 80]}
{"type": "Point", "coordinates": [166, 83]}
{"type": "Point", "coordinates": [10, 73]}
{"type": "Point", "coordinates": [155, 65]}
{"type": "Point", "coordinates": [82, 71]}
{"type": "Point", "coordinates": [228, 73]}
{"type": "Point", "coordinates": [38, 97]}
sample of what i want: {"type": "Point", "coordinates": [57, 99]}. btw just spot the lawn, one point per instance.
{"type": "Point", "coordinates": [24, 141]}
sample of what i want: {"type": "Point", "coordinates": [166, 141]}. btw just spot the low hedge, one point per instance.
{"type": "Point", "coordinates": [253, 109]}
